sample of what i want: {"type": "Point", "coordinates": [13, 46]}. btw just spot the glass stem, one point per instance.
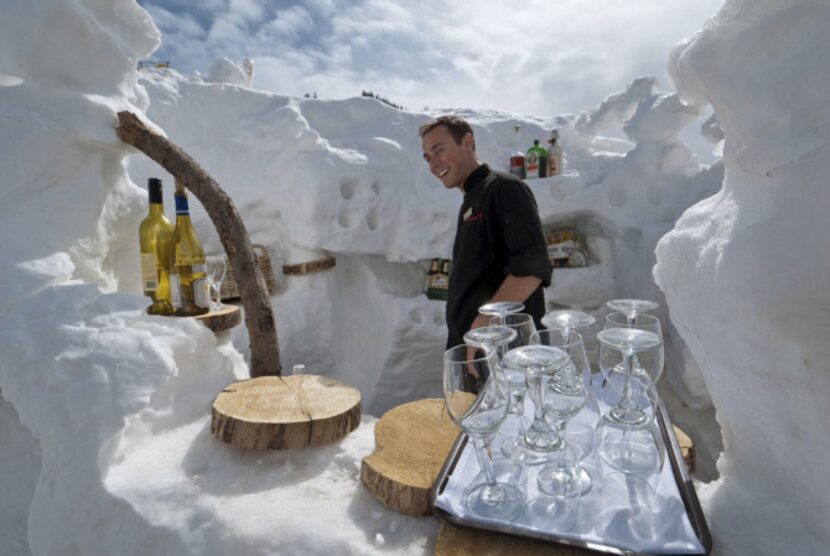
{"type": "Point", "coordinates": [626, 402]}
{"type": "Point", "coordinates": [534, 385]}
{"type": "Point", "coordinates": [484, 459]}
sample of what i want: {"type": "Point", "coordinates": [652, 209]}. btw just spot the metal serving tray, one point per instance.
{"type": "Point", "coordinates": [681, 477]}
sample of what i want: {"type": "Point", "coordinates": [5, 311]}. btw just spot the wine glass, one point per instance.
{"type": "Point", "coordinates": [632, 307]}
{"type": "Point", "coordinates": [501, 308]}
{"type": "Point", "coordinates": [563, 396]}
{"type": "Point", "coordinates": [567, 320]}
{"type": "Point", "coordinates": [582, 429]}
{"type": "Point", "coordinates": [640, 378]}
{"type": "Point", "coordinates": [216, 268]}
{"type": "Point", "coordinates": [636, 449]}
{"type": "Point", "coordinates": [493, 338]}
{"type": "Point", "coordinates": [476, 396]}
{"type": "Point", "coordinates": [524, 326]}
{"type": "Point", "coordinates": [537, 361]}
{"type": "Point", "coordinates": [617, 350]}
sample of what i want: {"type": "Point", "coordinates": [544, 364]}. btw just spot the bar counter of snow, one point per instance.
{"type": "Point", "coordinates": [105, 444]}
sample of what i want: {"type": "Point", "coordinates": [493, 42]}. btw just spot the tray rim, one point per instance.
{"type": "Point", "coordinates": [682, 479]}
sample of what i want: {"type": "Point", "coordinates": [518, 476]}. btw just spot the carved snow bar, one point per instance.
{"type": "Point", "coordinates": [281, 413]}
{"type": "Point", "coordinates": [259, 318]}
{"type": "Point", "coordinates": [411, 443]}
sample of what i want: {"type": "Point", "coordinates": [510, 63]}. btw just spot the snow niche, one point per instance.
{"type": "Point", "coordinates": [746, 272]}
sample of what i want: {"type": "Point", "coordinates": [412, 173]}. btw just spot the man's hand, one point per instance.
{"type": "Point", "coordinates": [481, 321]}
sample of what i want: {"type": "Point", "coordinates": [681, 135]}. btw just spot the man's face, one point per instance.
{"type": "Point", "coordinates": [448, 161]}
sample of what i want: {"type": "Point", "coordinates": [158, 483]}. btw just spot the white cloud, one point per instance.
{"type": "Point", "coordinates": [534, 57]}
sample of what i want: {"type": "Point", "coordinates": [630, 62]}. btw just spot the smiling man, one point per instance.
{"type": "Point", "coordinates": [499, 253]}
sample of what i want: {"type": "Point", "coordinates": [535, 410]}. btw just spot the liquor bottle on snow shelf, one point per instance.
{"type": "Point", "coordinates": [554, 154]}
{"type": "Point", "coordinates": [536, 162]}
{"type": "Point", "coordinates": [434, 268]}
{"type": "Point", "coordinates": [154, 235]}
{"type": "Point", "coordinates": [517, 159]}
{"type": "Point", "coordinates": [188, 271]}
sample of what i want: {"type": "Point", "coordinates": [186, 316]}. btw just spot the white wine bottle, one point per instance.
{"type": "Point", "coordinates": [188, 271]}
{"type": "Point", "coordinates": [154, 235]}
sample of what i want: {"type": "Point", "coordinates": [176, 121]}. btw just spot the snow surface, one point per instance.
{"type": "Point", "coordinates": [104, 415]}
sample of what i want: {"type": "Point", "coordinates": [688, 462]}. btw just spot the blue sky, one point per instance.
{"type": "Point", "coordinates": [535, 57]}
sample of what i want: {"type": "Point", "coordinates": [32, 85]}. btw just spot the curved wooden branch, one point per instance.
{"type": "Point", "coordinates": [259, 317]}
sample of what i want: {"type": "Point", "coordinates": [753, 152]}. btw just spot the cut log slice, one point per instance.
{"type": "Point", "coordinates": [311, 266]}
{"type": "Point", "coordinates": [411, 443]}
{"type": "Point", "coordinates": [282, 413]}
{"type": "Point", "coordinates": [223, 319]}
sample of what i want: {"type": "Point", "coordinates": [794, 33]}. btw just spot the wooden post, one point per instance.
{"type": "Point", "coordinates": [259, 317]}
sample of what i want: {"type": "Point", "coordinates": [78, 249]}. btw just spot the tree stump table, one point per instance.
{"type": "Point", "coordinates": [411, 443]}
{"type": "Point", "coordinates": [281, 413]}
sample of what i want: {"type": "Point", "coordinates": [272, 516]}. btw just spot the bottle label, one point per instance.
{"type": "Point", "coordinates": [149, 272]}
{"type": "Point", "coordinates": [175, 291]}
{"type": "Point", "coordinates": [201, 296]}
{"type": "Point", "coordinates": [532, 165]}
{"type": "Point", "coordinates": [199, 267]}
{"type": "Point", "coordinates": [561, 250]}
{"type": "Point", "coordinates": [517, 165]}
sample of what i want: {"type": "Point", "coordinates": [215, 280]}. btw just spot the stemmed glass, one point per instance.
{"type": "Point", "coordinates": [476, 396]}
{"type": "Point", "coordinates": [638, 377]}
{"type": "Point", "coordinates": [563, 396]}
{"type": "Point", "coordinates": [501, 308]}
{"type": "Point", "coordinates": [567, 321]}
{"type": "Point", "coordinates": [492, 338]}
{"type": "Point", "coordinates": [635, 449]}
{"type": "Point", "coordinates": [632, 307]}
{"type": "Point", "coordinates": [524, 326]}
{"type": "Point", "coordinates": [625, 436]}
{"type": "Point", "coordinates": [216, 268]}
{"type": "Point", "coordinates": [537, 361]}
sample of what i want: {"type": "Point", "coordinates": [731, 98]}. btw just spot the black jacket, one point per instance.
{"type": "Point", "coordinates": [499, 233]}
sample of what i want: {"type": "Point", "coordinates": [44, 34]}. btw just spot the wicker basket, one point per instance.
{"type": "Point", "coordinates": [230, 289]}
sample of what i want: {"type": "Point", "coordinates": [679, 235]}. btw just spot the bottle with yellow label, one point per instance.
{"type": "Point", "coordinates": [154, 236]}
{"type": "Point", "coordinates": [188, 270]}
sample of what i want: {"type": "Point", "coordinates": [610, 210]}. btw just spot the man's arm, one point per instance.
{"type": "Point", "coordinates": [513, 288]}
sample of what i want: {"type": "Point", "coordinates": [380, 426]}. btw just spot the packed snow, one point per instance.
{"type": "Point", "coordinates": [104, 414]}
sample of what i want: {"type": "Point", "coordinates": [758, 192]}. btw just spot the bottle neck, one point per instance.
{"type": "Point", "coordinates": [182, 208]}
{"type": "Point", "coordinates": [156, 209]}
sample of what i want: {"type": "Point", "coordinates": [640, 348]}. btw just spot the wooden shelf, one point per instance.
{"type": "Point", "coordinates": [224, 319]}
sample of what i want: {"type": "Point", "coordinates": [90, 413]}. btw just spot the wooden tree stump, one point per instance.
{"type": "Point", "coordinates": [281, 413]}
{"type": "Point", "coordinates": [223, 319]}
{"type": "Point", "coordinates": [411, 443]}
